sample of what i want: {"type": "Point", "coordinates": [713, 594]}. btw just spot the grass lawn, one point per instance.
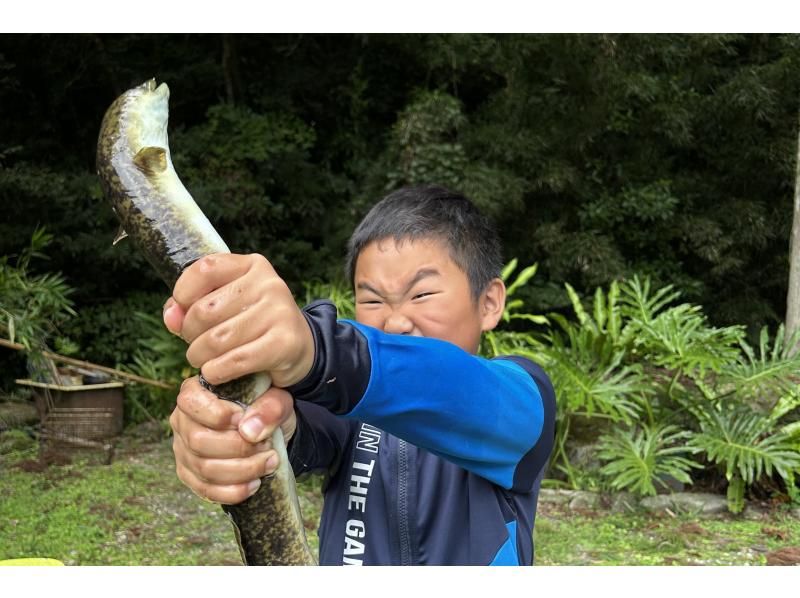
{"type": "Point", "coordinates": [136, 512]}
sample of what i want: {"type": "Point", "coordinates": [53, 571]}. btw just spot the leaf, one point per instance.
{"type": "Point", "coordinates": [508, 269]}
{"type": "Point", "coordinates": [638, 459]}
{"type": "Point", "coordinates": [523, 278]}
{"type": "Point", "coordinates": [767, 375]}
{"type": "Point", "coordinates": [744, 442]}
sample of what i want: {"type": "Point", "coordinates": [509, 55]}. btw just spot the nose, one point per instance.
{"type": "Point", "coordinates": [397, 323]}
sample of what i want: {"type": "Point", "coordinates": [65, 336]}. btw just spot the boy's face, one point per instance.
{"type": "Point", "coordinates": [415, 288]}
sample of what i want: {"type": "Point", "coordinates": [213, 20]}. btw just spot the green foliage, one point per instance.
{"type": "Point", "coordinates": [592, 382]}
{"type": "Point", "coordinates": [339, 293]}
{"type": "Point", "coordinates": [108, 333]}
{"type": "Point", "coordinates": [426, 135]}
{"type": "Point", "coordinates": [244, 168]}
{"type": "Point", "coordinates": [601, 155]}
{"type": "Point", "coordinates": [33, 306]}
{"type": "Point", "coordinates": [677, 338]}
{"type": "Point", "coordinates": [639, 357]}
{"type": "Point", "coordinates": [767, 376]}
{"type": "Point", "coordinates": [746, 443]}
{"type": "Point", "coordinates": [640, 459]}
{"type": "Point", "coordinates": [161, 356]}
{"type": "Point", "coordinates": [506, 340]}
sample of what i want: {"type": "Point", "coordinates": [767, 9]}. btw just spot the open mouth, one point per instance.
{"type": "Point", "coordinates": [162, 90]}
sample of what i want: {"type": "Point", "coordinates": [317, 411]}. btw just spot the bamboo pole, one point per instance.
{"type": "Point", "coordinates": [90, 365]}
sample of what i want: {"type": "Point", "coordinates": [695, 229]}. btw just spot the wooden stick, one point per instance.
{"type": "Point", "coordinates": [74, 440]}
{"type": "Point", "coordinates": [90, 365]}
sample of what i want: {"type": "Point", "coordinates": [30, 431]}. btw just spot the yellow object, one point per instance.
{"type": "Point", "coordinates": [31, 562]}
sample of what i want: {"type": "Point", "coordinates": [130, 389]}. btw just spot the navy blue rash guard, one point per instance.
{"type": "Point", "coordinates": [433, 455]}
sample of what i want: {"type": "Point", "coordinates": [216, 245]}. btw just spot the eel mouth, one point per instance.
{"type": "Point", "coordinates": [150, 86]}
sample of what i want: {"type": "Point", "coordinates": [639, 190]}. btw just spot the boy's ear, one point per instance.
{"type": "Point", "coordinates": [492, 304]}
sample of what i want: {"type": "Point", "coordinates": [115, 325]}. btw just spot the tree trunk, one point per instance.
{"type": "Point", "coordinates": [793, 297]}
{"type": "Point", "coordinates": [230, 69]}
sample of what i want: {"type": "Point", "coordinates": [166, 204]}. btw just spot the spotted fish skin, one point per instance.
{"type": "Point", "coordinates": [155, 209]}
{"type": "Point", "coordinates": [145, 192]}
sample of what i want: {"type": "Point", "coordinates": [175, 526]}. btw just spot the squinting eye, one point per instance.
{"type": "Point", "coordinates": [422, 295]}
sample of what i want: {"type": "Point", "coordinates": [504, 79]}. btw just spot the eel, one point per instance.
{"type": "Point", "coordinates": [154, 208]}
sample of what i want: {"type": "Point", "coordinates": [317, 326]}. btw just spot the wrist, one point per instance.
{"type": "Point", "coordinates": [306, 359]}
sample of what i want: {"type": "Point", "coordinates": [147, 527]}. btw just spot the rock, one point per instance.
{"type": "Point", "coordinates": [623, 502]}
{"type": "Point", "coordinates": [784, 556]}
{"type": "Point", "coordinates": [752, 513]}
{"type": "Point", "coordinates": [667, 485]}
{"type": "Point", "coordinates": [574, 499]}
{"type": "Point", "coordinates": [555, 497]}
{"type": "Point", "coordinates": [585, 457]}
{"type": "Point", "coordinates": [661, 502]}
{"type": "Point", "coordinates": [687, 502]}
{"type": "Point", "coordinates": [584, 501]}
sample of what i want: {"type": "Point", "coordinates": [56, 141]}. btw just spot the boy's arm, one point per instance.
{"type": "Point", "coordinates": [492, 417]}
{"type": "Point", "coordinates": [319, 440]}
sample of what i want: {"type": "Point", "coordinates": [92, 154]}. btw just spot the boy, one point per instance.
{"type": "Point", "coordinates": [433, 455]}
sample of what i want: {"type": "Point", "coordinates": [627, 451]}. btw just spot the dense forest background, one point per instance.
{"type": "Point", "coordinates": [598, 156]}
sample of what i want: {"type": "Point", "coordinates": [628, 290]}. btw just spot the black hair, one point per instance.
{"type": "Point", "coordinates": [433, 212]}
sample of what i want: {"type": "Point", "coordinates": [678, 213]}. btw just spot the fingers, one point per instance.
{"type": "Point", "coordinates": [228, 494]}
{"type": "Point", "coordinates": [226, 471]}
{"type": "Point", "coordinates": [272, 409]}
{"type": "Point", "coordinates": [212, 454]}
{"type": "Point", "coordinates": [213, 272]}
{"type": "Point", "coordinates": [203, 409]}
{"type": "Point", "coordinates": [206, 274]}
{"type": "Point", "coordinates": [241, 328]}
{"type": "Point", "coordinates": [224, 303]}
{"type": "Point", "coordinates": [285, 351]}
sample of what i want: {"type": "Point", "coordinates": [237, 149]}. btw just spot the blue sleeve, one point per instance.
{"type": "Point", "coordinates": [492, 417]}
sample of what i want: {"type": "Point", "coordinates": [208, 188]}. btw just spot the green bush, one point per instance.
{"type": "Point", "coordinates": [653, 383]}
{"type": "Point", "coordinates": [108, 333]}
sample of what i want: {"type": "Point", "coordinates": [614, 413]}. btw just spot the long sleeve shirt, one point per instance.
{"type": "Point", "coordinates": [433, 455]}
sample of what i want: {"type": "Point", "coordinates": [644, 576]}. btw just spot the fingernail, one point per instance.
{"type": "Point", "coordinates": [253, 429]}
{"type": "Point", "coordinates": [253, 487]}
{"type": "Point", "coordinates": [272, 464]}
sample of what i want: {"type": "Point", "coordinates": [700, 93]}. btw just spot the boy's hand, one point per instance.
{"type": "Point", "coordinates": [216, 455]}
{"type": "Point", "coordinates": [240, 318]}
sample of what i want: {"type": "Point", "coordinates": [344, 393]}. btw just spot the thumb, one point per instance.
{"type": "Point", "coordinates": [265, 414]}
{"type": "Point", "coordinates": [173, 315]}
